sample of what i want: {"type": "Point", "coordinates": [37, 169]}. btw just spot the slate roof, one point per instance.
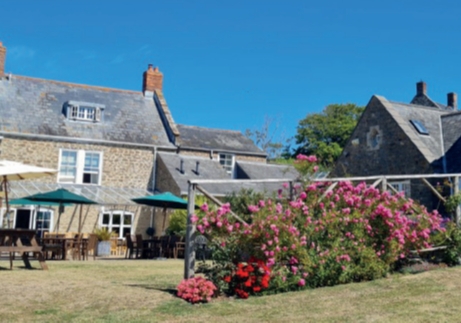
{"type": "Point", "coordinates": [211, 169]}
{"type": "Point", "coordinates": [262, 171]}
{"type": "Point", "coordinates": [36, 106]}
{"type": "Point", "coordinates": [424, 100]}
{"type": "Point", "coordinates": [216, 139]}
{"type": "Point", "coordinates": [431, 146]}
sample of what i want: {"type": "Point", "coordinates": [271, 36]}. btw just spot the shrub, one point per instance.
{"type": "Point", "coordinates": [195, 290]}
{"type": "Point", "coordinates": [103, 234]}
{"type": "Point", "coordinates": [321, 238]}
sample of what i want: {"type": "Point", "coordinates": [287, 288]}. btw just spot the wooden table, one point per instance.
{"type": "Point", "coordinates": [23, 242]}
{"type": "Point", "coordinates": [63, 244]}
{"type": "Point", "coordinates": [151, 248]}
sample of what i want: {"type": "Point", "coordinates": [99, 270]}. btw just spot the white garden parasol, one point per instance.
{"type": "Point", "coordinates": [13, 171]}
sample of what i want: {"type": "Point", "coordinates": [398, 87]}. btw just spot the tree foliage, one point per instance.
{"type": "Point", "coordinates": [325, 134]}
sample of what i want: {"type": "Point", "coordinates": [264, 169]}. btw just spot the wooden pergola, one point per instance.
{"type": "Point", "coordinates": [382, 181]}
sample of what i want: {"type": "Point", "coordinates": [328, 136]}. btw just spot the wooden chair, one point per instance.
{"type": "Point", "coordinates": [142, 251]}
{"type": "Point", "coordinates": [77, 247]}
{"type": "Point", "coordinates": [171, 250]}
{"type": "Point", "coordinates": [164, 244]}
{"type": "Point", "coordinates": [54, 244]}
{"type": "Point", "coordinates": [131, 246]}
{"type": "Point", "coordinates": [113, 246]}
{"type": "Point", "coordinates": [90, 245]}
{"type": "Point", "coordinates": [180, 248]}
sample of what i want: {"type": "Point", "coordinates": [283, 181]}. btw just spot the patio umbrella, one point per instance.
{"type": "Point", "coordinates": [12, 171]}
{"type": "Point", "coordinates": [62, 196]}
{"type": "Point", "coordinates": [24, 201]}
{"type": "Point", "coordinates": [165, 200]}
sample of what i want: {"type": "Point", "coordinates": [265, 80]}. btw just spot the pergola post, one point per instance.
{"type": "Point", "coordinates": [384, 184]}
{"type": "Point", "coordinates": [458, 209]}
{"type": "Point", "coordinates": [189, 255]}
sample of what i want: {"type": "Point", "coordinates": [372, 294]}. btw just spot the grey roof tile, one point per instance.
{"type": "Point", "coordinates": [36, 106]}
{"type": "Point", "coordinates": [211, 169]}
{"type": "Point", "coordinates": [431, 146]}
{"type": "Point", "coordinates": [216, 139]}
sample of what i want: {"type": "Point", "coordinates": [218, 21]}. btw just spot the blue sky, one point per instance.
{"type": "Point", "coordinates": [231, 64]}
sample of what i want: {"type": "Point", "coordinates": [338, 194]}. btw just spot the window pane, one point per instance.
{"type": "Point", "coordinates": [127, 220]}
{"type": "Point", "coordinates": [68, 167]}
{"type": "Point", "coordinates": [116, 230]}
{"type": "Point", "coordinates": [105, 218]}
{"type": "Point", "coordinates": [125, 232]}
{"type": "Point", "coordinates": [116, 219]}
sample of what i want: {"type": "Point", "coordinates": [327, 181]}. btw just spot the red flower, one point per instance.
{"type": "Point", "coordinates": [248, 283]}
{"type": "Point", "coordinates": [227, 279]}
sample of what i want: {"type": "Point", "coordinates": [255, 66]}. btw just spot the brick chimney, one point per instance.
{"type": "Point", "coordinates": [2, 59]}
{"type": "Point", "coordinates": [421, 88]}
{"type": "Point", "coordinates": [152, 80]}
{"type": "Point", "coordinates": [452, 100]}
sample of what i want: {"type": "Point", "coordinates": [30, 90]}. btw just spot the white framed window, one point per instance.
{"type": "Point", "coordinates": [84, 111]}
{"type": "Point", "coordinates": [118, 222]}
{"type": "Point", "coordinates": [43, 221]}
{"type": "Point", "coordinates": [28, 217]}
{"type": "Point", "coordinates": [80, 167]}
{"type": "Point", "coordinates": [227, 161]}
{"type": "Point", "coordinates": [403, 186]}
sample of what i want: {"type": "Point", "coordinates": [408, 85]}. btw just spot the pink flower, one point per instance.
{"type": "Point", "coordinates": [302, 282]}
{"type": "Point", "coordinates": [194, 218]}
{"type": "Point", "coordinates": [204, 207]}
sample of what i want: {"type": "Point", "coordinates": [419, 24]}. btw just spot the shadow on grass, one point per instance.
{"type": "Point", "coordinates": [170, 291]}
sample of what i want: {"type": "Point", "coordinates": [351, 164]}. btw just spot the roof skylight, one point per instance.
{"type": "Point", "coordinates": [419, 127]}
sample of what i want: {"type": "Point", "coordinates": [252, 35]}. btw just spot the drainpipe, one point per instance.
{"type": "Point", "coordinates": [154, 169]}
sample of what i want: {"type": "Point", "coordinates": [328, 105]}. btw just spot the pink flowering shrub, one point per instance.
{"type": "Point", "coordinates": [196, 289]}
{"type": "Point", "coordinates": [322, 237]}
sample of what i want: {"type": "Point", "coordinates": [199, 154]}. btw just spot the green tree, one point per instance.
{"type": "Point", "coordinates": [325, 134]}
{"type": "Point", "coordinates": [178, 218]}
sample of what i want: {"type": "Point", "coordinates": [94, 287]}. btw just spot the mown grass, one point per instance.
{"type": "Point", "coordinates": [143, 291]}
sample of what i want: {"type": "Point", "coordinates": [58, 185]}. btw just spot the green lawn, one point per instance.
{"type": "Point", "coordinates": [141, 291]}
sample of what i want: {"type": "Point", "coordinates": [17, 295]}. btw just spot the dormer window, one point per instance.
{"type": "Point", "coordinates": [84, 111]}
{"type": "Point", "coordinates": [227, 161]}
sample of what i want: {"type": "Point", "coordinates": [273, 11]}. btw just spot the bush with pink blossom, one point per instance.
{"type": "Point", "coordinates": [322, 237]}
{"type": "Point", "coordinates": [196, 289]}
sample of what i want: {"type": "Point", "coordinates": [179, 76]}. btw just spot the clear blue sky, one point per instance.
{"type": "Point", "coordinates": [229, 64]}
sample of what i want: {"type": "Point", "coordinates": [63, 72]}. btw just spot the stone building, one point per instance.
{"type": "Point", "coordinates": [394, 138]}
{"type": "Point", "coordinates": [110, 145]}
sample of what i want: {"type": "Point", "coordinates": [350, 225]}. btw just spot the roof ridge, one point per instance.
{"type": "Point", "coordinates": [421, 106]}
{"type": "Point", "coordinates": [207, 128]}
{"type": "Point", "coordinates": [101, 88]}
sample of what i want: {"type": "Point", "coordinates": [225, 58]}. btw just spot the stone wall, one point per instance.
{"type": "Point", "coordinates": [378, 146]}
{"type": "Point", "coordinates": [122, 166]}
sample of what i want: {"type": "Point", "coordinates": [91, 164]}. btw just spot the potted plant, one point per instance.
{"type": "Point", "coordinates": [104, 242]}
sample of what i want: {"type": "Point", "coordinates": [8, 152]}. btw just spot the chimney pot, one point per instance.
{"type": "Point", "coordinates": [421, 88]}
{"type": "Point", "coordinates": [181, 166]}
{"type": "Point", "coordinates": [452, 100]}
{"type": "Point", "coordinates": [197, 164]}
{"type": "Point", "coordinates": [152, 80]}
